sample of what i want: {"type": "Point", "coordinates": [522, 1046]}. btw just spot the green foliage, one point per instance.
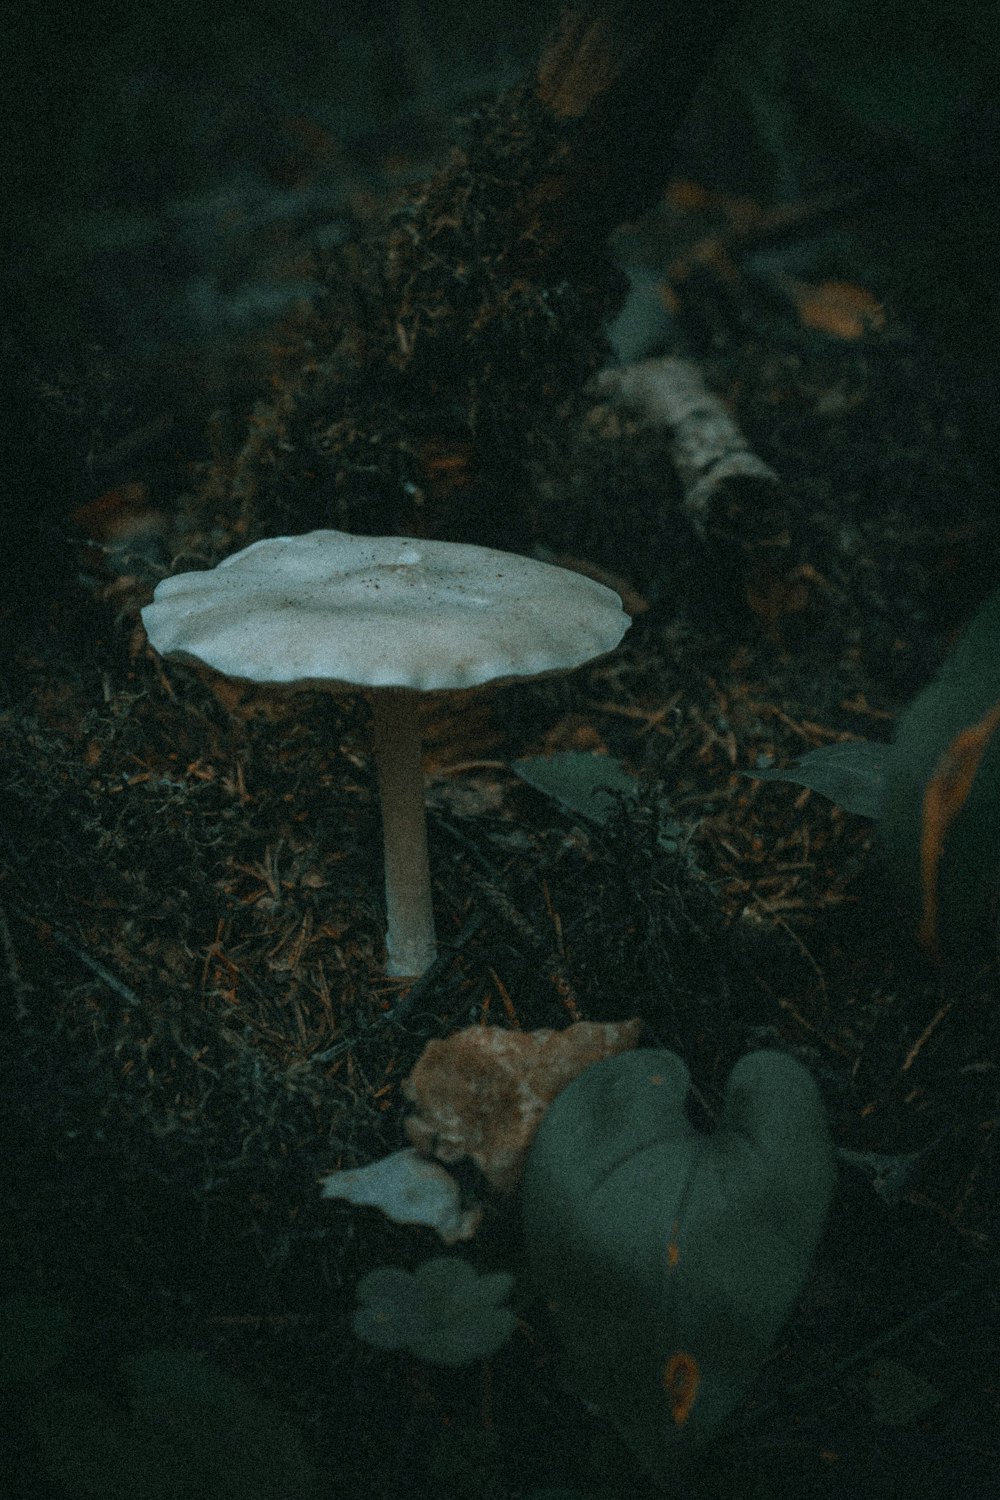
{"type": "Point", "coordinates": [935, 792]}
{"type": "Point", "coordinates": [184, 1429]}
{"type": "Point", "coordinates": [669, 1258]}
{"type": "Point", "coordinates": [444, 1311]}
{"type": "Point", "coordinates": [187, 1429]}
{"type": "Point", "coordinates": [581, 781]}
{"type": "Point", "coordinates": [851, 773]}
{"type": "Point", "coordinates": [592, 785]}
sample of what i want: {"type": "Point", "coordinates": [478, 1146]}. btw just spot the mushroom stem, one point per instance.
{"type": "Point", "coordinates": [409, 942]}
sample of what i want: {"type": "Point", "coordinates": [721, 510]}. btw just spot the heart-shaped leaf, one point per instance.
{"type": "Point", "coordinates": [670, 1258]}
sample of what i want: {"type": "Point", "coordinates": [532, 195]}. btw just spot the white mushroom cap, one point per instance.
{"type": "Point", "coordinates": [328, 607]}
{"type": "Point", "coordinates": [395, 616]}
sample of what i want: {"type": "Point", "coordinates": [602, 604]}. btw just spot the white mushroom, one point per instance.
{"type": "Point", "coordinates": [394, 616]}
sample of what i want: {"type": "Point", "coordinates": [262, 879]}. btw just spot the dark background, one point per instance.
{"type": "Point", "coordinates": [168, 169]}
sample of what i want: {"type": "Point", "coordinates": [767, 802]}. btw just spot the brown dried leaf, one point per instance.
{"type": "Point", "coordinates": [483, 1092]}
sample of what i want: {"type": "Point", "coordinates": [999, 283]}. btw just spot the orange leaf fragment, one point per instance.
{"type": "Point", "coordinates": [944, 797]}
{"type": "Point", "coordinates": [681, 1379]}
{"type": "Point", "coordinates": [838, 308]}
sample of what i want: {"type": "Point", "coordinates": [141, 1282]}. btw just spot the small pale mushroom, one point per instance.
{"type": "Point", "coordinates": [394, 616]}
{"type": "Point", "coordinates": [409, 1189]}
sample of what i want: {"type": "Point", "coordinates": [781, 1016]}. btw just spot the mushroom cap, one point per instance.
{"type": "Point", "coordinates": [328, 607]}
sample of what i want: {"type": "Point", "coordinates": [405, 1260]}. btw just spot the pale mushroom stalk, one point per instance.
{"type": "Point", "coordinates": [410, 943]}
{"type": "Point", "coordinates": [396, 617]}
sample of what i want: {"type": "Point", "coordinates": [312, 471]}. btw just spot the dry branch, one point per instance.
{"type": "Point", "coordinates": [719, 473]}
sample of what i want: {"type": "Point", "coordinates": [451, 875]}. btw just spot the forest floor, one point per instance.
{"type": "Point", "coordinates": [190, 892]}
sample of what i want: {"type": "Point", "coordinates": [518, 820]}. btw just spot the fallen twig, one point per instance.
{"type": "Point", "coordinates": [708, 450]}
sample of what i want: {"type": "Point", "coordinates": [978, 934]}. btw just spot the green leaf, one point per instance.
{"type": "Point", "coordinates": [589, 784]}
{"type": "Point", "coordinates": [580, 780]}
{"type": "Point", "coordinates": [92, 1448]}
{"type": "Point", "coordinates": [669, 1258]}
{"type": "Point", "coordinates": [189, 1430]}
{"type": "Point", "coordinates": [230, 1441]}
{"type": "Point", "coordinates": [851, 773]}
{"type": "Point", "coordinates": [940, 830]}
{"type": "Point", "coordinates": [32, 1338]}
